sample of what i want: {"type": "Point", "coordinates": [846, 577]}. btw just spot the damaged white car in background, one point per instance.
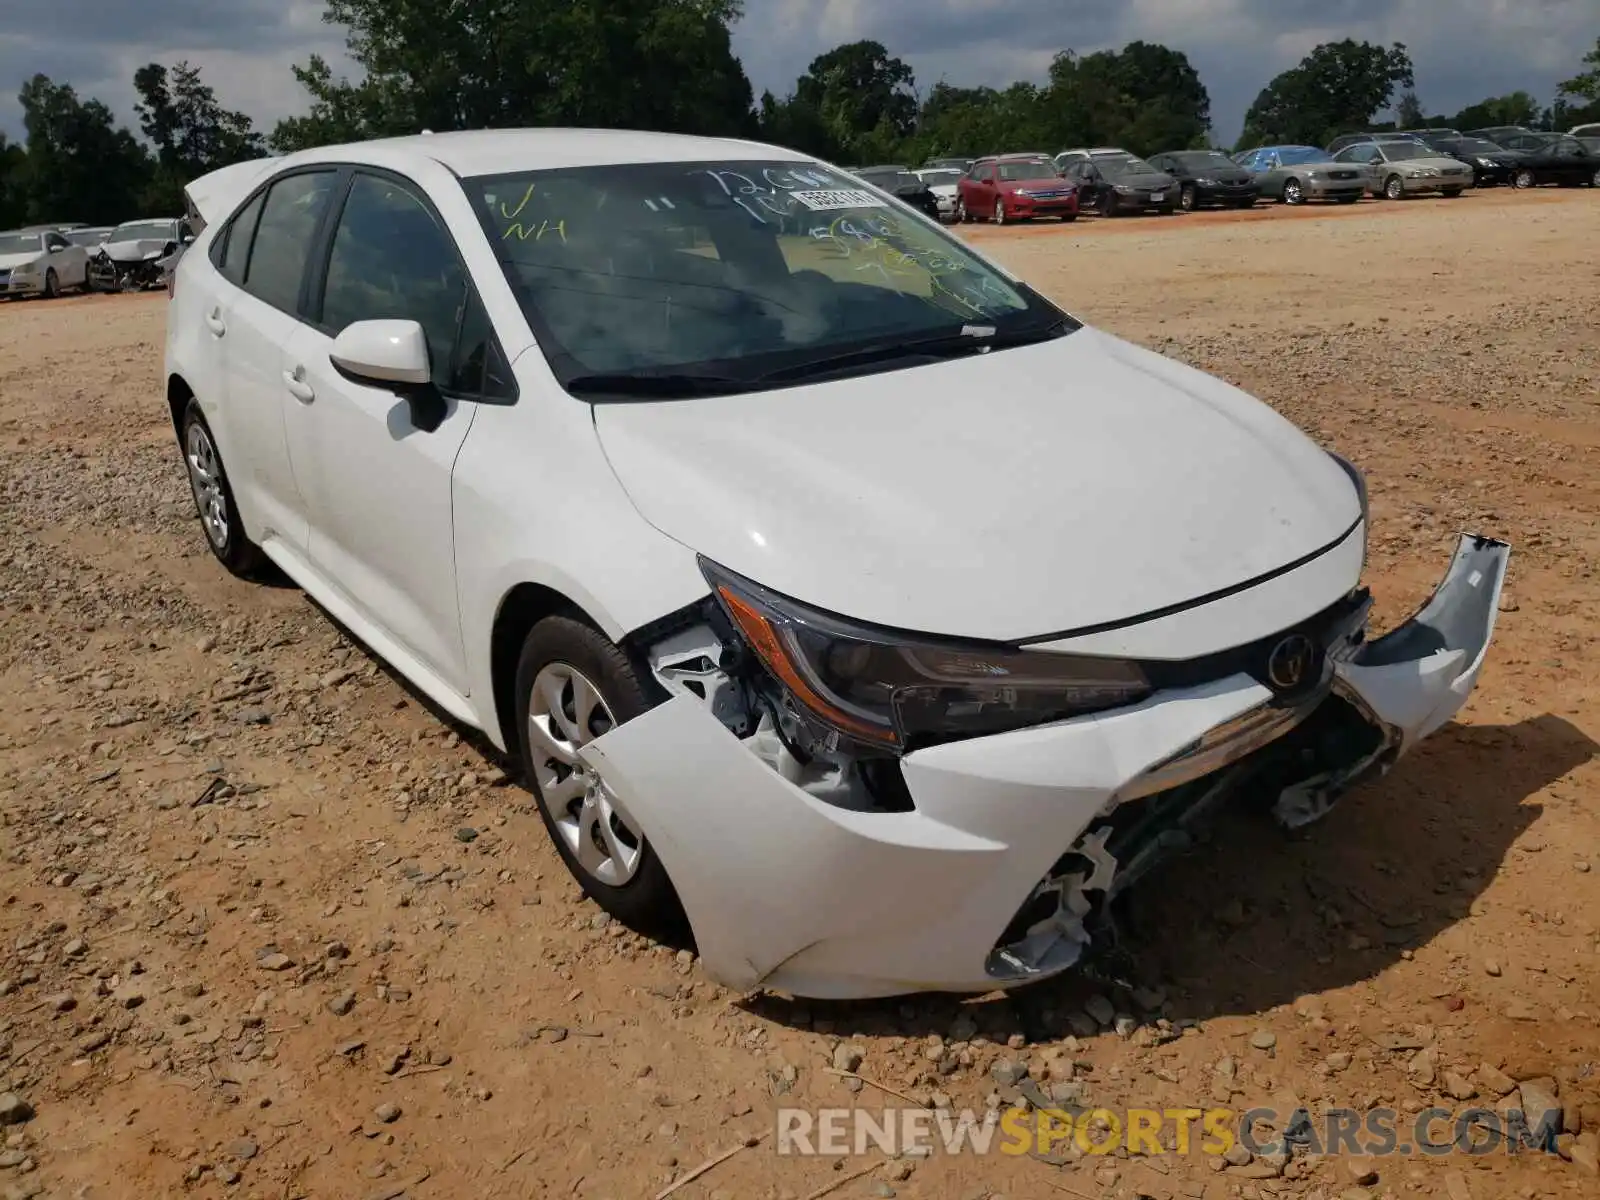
{"type": "Point", "coordinates": [852, 606]}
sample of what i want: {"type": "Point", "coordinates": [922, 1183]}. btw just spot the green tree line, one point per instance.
{"type": "Point", "coordinates": [669, 65]}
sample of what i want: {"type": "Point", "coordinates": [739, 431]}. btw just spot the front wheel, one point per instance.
{"type": "Point", "coordinates": [999, 212]}
{"type": "Point", "coordinates": [1293, 193]}
{"type": "Point", "coordinates": [573, 686]}
{"type": "Point", "coordinates": [959, 213]}
{"type": "Point", "coordinates": [1394, 188]}
{"type": "Point", "coordinates": [213, 498]}
{"type": "Point", "coordinates": [52, 284]}
{"type": "Point", "coordinates": [1523, 178]}
{"type": "Point", "coordinates": [1187, 198]}
{"type": "Point", "coordinates": [1108, 204]}
{"type": "Point", "coordinates": [1594, 180]}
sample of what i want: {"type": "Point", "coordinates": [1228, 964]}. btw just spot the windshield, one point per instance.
{"type": "Point", "coordinates": [940, 177]}
{"type": "Point", "coordinates": [87, 237]}
{"type": "Point", "coordinates": [143, 231]}
{"type": "Point", "coordinates": [892, 181]}
{"type": "Point", "coordinates": [1291, 156]}
{"type": "Point", "coordinates": [20, 243]}
{"type": "Point", "coordinates": [1477, 146]}
{"type": "Point", "coordinates": [1204, 158]}
{"type": "Point", "coordinates": [1125, 166]}
{"type": "Point", "coordinates": [737, 268]}
{"type": "Point", "coordinates": [1027, 170]}
{"type": "Point", "coordinates": [1400, 151]}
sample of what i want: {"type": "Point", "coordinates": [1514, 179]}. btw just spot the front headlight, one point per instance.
{"type": "Point", "coordinates": [1486, 162]}
{"type": "Point", "coordinates": [1124, 190]}
{"type": "Point", "coordinates": [28, 268]}
{"type": "Point", "coordinates": [1427, 172]}
{"type": "Point", "coordinates": [1204, 182]}
{"type": "Point", "coordinates": [896, 691]}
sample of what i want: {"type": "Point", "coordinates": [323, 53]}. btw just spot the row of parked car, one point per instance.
{"type": "Point", "coordinates": [1110, 180]}
{"type": "Point", "coordinates": [46, 260]}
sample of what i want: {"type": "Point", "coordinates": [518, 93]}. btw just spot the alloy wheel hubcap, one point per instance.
{"type": "Point", "coordinates": [205, 478]}
{"type": "Point", "coordinates": [565, 713]}
{"type": "Point", "coordinates": [1293, 192]}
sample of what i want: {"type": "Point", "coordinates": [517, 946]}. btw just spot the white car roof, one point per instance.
{"type": "Point", "coordinates": [486, 152]}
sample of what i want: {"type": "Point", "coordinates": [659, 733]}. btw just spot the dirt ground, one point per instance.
{"type": "Point", "coordinates": [252, 891]}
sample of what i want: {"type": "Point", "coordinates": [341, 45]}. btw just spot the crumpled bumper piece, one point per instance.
{"type": "Point", "coordinates": [1417, 677]}
{"type": "Point", "coordinates": [787, 891]}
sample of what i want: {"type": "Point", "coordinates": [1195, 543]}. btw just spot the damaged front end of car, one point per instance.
{"type": "Point", "coordinates": [855, 813]}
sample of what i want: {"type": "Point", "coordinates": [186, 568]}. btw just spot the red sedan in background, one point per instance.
{"type": "Point", "coordinates": [1015, 188]}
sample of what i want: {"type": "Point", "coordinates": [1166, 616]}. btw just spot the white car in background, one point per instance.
{"type": "Point", "coordinates": [41, 263]}
{"type": "Point", "coordinates": [138, 254]}
{"type": "Point", "coordinates": [852, 607]}
{"type": "Point", "coordinates": [943, 183]}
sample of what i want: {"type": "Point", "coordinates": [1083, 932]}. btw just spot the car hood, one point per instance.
{"type": "Point", "coordinates": [134, 251]}
{"type": "Point", "coordinates": [1056, 184]}
{"type": "Point", "coordinates": [1439, 162]}
{"type": "Point", "coordinates": [10, 262]}
{"type": "Point", "coordinates": [1320, 164]}
{"type": "Point", "coordinates": [1142, 179]}
{"type": "Point", "coordinates": [942, 189]}
{"type": "Point", "coordinates": [1033, 491]}
{"type": "Point", "coordinates": [1226, 175]}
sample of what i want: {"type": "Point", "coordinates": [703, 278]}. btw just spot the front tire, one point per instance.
{"type": "Point", "coordinates": [573, 686]}
{"type": "Point", "coordinates": [1523, 179]}
{"type": "Point", "coordinates": [1188, 200]}
{"type": "Point", "coordinates": [52, 284]}
{"type": "Point", "coordinates": [213, 498]}
{"type": "Point", "coordinates": [1394, 188]}
{"type": "Point", "coordinates": [1293, 193]}
{"type": "Point", "coordinates": [999, 212]}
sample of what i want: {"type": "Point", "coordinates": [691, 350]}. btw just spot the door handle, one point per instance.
{"type": "Point", "coordinates": [215, 323]}
{"type": "Point", "coordinates": [295, 381]}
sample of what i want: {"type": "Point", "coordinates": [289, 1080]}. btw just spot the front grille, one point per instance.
{"type": "Point", "coordinates": [1454, 171]}
{"type": "Point", "coordinates": [1341, 174]}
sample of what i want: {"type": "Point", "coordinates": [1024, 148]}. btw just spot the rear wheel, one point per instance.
{"type": "Point", "coordinates": [573, 686]}
{"type": "Point", "coordinates": [213, 498]}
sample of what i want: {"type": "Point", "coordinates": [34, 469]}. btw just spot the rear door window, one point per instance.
{"type": "Point", "coordinates": [290, 217]}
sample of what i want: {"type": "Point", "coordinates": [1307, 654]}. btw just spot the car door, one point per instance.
{"type": "Point", "coordinates": [265, 258]}
{"type": "Point", "coordinates": [71, 262]}
{"type": "Point", "coordinates": [376, 476]}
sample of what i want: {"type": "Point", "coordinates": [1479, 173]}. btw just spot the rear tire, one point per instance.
{"type": "Point", "coordinates": [574, 685]}
{"type": "Point", "coordinates": [213, 498]}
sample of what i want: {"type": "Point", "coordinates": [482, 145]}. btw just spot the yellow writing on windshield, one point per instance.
{"type": "Point", "coordinates": [523, 233]}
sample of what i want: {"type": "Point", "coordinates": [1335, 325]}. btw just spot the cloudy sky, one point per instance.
{"type": "Point", "coordinates": [1464, 50]}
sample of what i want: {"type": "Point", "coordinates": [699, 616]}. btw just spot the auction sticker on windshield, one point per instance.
{"type": "Point", "coordinates": [823, 201]}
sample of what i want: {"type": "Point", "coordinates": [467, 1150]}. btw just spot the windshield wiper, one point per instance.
{"type": "Point", "coordinates": [971, 339]}
{"type": "Point", "coordinates": [666, 386]}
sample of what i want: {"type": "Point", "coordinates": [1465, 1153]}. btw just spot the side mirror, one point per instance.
{"type": "Point", "coordinates": [187, 239]}
{"type": "Point", "coordinates": [383, 352]}
{"type": "Point", "coordinates": [392, 355]}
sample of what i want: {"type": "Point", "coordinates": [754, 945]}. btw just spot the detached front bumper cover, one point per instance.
{"type": "Point", "coordinates": [787, 890]}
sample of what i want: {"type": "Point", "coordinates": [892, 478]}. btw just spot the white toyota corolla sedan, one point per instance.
{"type": "Point", "coordinates": [851, 606]}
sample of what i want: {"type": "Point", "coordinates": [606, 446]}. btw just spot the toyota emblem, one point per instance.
{"type": "Point", "coordinates": [1290, 661]}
